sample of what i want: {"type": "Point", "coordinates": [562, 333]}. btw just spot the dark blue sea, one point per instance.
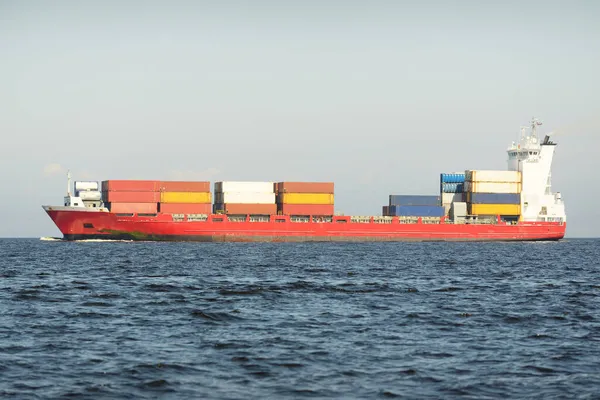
{"type": "Point", "coordinates": [101, 320]}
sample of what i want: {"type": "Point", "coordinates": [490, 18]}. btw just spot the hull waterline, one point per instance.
{"type": "Point", "coordinates": [78, 225]}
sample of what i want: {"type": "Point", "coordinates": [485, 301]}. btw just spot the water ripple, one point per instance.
{"type": "Point", "coordinates": [321, 320]}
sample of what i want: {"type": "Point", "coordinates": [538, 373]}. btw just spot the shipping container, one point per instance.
{"type": "Point", "coordinates": [89, 195]}
{"type": "Point", "coordinates": [492, 176]}
{"type": "Point", "coordinates": [448, 198]}
{"type": "Point", "coordinates": [494, 209]}
{"type": "Point", "coordinates": [417, 211]}
{"type": "Point", "coordinates": [146, 208]}
{"type": "Point", "coordinates": [304, 187]}
{"type": "Point", "coordinates": [185, 208]}
{"type": "Point", "coordinates": [184, 186]}
{"type": "Point", "coordinates": [456, 177]}
{"type": "Point", "coordinates": [452, 187]}
{"type": "Point", "coordinates": [494, 198]}
{"type": "Point", "coordinates": [492, 187]}
{"type": "Point", "coordinates": [305, 198]}
{"type": "Point", "coordinates": [414, 200]}
{"type": "Point", "coordinates": [130, 186]}
{"type": "Point", "coordinates": [458, 210]}
{"type": "Point", "coordinates": [244, 209]}
{"type": "Point", "coordinates": [385, 211]}
{"type": "Point", "coordinates": [86, 185]}
{"type": "Point", "coordinates": [185, 197]}
{"type": "Point", "coordinates": [131, 197]}
{"type": "Point", "coordinates": [253, 187]}
{"type": "Point", "coordinates": [245, 198]}
{"type": "Point", "coordinates": [306, 209]}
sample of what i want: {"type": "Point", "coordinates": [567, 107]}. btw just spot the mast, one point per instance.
{"type": "Point", "coordinates": [69, 183]}
{"type": "Point", "coordinates": [534, 124]}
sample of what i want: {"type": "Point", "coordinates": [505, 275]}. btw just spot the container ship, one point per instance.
{"type": "Point", "coordinates": [516, 204]}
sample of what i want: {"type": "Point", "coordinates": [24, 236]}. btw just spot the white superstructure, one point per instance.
{"type": "Point", "coordinates": [86, 195]}
{"type": "Point", "coordinates": [533, 158]}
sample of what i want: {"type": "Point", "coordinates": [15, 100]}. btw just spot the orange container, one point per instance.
{"type": "Point", "coordinates": [131, 197]}
{"type": "Point", "coordinates": [184, 186]}
{"type": "Point", "coordinates": [304, 187]}
{"type": "Point", "coordinates": [185, 208]}
{"type": "Point", "coordinates": [147, 208]}
{"type": "Point", "coordinates": [130, 186]}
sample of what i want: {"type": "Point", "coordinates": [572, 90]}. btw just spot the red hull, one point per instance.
{"type": "Point", "coordinates": [216, 228]}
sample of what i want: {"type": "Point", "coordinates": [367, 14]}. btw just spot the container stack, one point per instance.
{"type": "Point", "coordinates": [185, 197]}
{"type": "Point", "coordinates": [245, 198]}
{"type": "Point", "coordinates": [451, 189]}
{"type": "Point", "coordinates": [414, 206]}
{"type": "Point", "coordinates": [131, 196]}
{"type": "Point", "coordinates": [305, 198]}
{"type": "Point", "coordinates": [493, 192]}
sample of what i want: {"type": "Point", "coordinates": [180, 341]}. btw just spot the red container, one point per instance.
{"type": "Point", "coordinates": [184, 186]}
{"type": "Point", "coordinates": [243, 209]}
{"type": "Point", "coordinates": [306, 209]}
{"type": "Point", "coordinates": [304, 187]}
{"type": "Point", "coordinates": [146, 208]}
{"type": "Point", "coordinates": [185, 208]}
{"type": "Point", "coordinates": [131, 197]}
{"type": "Point", "coordinates": [130, 186]}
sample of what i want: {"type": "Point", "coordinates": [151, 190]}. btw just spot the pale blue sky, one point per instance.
{"type": "Point", "coordinates": [377, 96]}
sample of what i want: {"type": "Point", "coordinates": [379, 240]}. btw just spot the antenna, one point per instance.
{"type": "Point", "coordinates": [68, 183]}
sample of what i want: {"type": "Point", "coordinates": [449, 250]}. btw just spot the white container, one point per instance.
{"type": "Point", "coordinates": [255, 187]}
{"type": "Point", "coordinates": [89, 195]}
{"type": "Point", "coordinates": [86, 185]}
{"type": "Point", "coordinates": [492, 176]}
{"type": "Point", "coordinates": [244, 198]}
{"type": "Point", "coordinates": [448, 198]}
{"type": "Point", "coordinates": [458, 209]}
{"type": "Point", "coordinates": [492, 187]}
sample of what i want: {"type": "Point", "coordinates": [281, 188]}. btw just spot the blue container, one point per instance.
{"type": "Point", "coordinates": [417, 211]}
{"type": "Point", "coordinates": [494, 198]}
{"type": "Point", "coordinates": [414, 200]}
{"type": "Point", "coordinates": [452, 187]}
{"type": "Point", "coordinates": [452, 178]}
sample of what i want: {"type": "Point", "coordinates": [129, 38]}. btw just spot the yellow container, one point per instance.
{"type": "Point", "coordinates": [306, 198]}
{"type": "Point", "coordinates": [495, 209]}
{"type": "Point", "coordinates": [186, 197]}
{"type": "Point", "coordinates": [493, 187]}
